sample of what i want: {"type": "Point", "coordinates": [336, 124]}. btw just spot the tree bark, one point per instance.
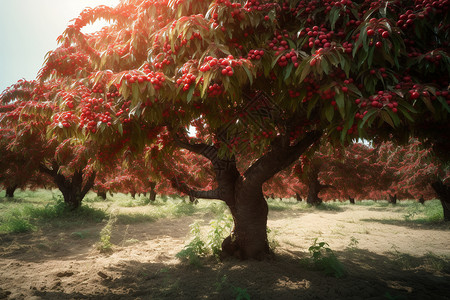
{"type": "Point", "coordinates": [299, 198]}
{"type": "Point", "coordinates": [10, 191]}
{"type": "Point", "coordinates": [393, 198]}
{"type": "Point", "coordinates": [72, 188]}
{"type": "Point", "coordinates": [314, 187]}
{"type": "Point", "coordinates": [243, 194]}
{"type": "Point", "coordinates": [352, 200]}
{"type": "Point", "coordinates": [152, 196]}
{"type": "Point", "coordinates": [421, 200]}
{"type": "Point", "coordinates": [443, 192]}
{"type": "Point", "coordinates": [101, 194]}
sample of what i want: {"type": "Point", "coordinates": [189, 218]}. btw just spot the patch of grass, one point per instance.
{"type": "Point", "coordinates": [437, 262]}
{"type": "Point", "coordinates": [26, 217]}
{"type": "Point", "coordinates": [105, 245]}
{"type": "Point", "coordinates": [329, 207]}
{"type": "Point", "coordinates": [15, 224]}
{"type": "Point", "coordinates": [133, 218]}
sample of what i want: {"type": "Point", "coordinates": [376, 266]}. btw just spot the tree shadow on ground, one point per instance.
{"type": "Point", "coordinates": [74, 242]}
{"type": "Point", "coordinates": [370, 276]}
{"type": "Point", "coordinates": [421, 224]}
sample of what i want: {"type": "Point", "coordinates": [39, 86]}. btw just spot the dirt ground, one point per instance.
{"type": "Point", "coordinates": [385, 256]}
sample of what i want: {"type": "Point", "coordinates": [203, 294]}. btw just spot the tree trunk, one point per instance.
{"type": "Point", "coordinates": [101, 194]}
{"type": "Point", "coordinates": [10, 191]}
{"type": "Point", "coordinates": [72, 188]}
{"type": "Point", "coordinates": [249, 236]}
{"type": "Point", "coordinates": [393, 198]}
{"type": "Point", "coordinates": [352, 200]}
{"type": "Point", "coordinates": [299, 198]}
{"type": "Point", "coordinates": [314, 187]}
{"type": "Point", "coordinates": [152, 196]}
{"type": "Point", "coordinates": [443, 192]}
{"type": "Point", "coordinates": [421, 200]}
{"type": "Point", "coordinates": [243, 194]}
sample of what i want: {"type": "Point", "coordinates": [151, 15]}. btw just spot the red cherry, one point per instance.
{"type": "Point", "coordinates": [370, 32]}
{"type": "Point", "coordinates": [415, 95]}
{"type": "Point", "coordinates": [385, 34]}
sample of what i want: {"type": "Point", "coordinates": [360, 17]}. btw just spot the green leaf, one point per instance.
{"type": "Point", "coordinates": [250, 77]}
{"type": "Point", "coordinates": [334, 15]}
{"type": "Point", "coordinates": [190, 93]}
{"type": "Point", "coordinates": [136, 94]}
{"type": "Point", "coordinates": [305, 72]}
{"type": "Point", "coordinates": [340, 101]}
{"type": "Point", "coordinates": [428, 103]}
{"type": "Point", "coordinates": [394, 117]}
{"type": "Point", "coordinates": [367, 117]}
{"type": "Point", "coordinates": [329, 113]}
{"type": "Point", "coordinates": [311, 104]}
{"type": "Point", "coordinates": [385, 116]}
{"type": "Point", "coordinates": [443, 102]}
{"type": "Point", "coordinates": [370, 58]}
{"type": "Point", "coordinates": [405, 112]}
{"type": "Point", "coordinates": [288, 71]}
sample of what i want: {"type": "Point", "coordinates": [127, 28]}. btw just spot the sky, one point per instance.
{"type": "Point", "coordinates": [28, 30]}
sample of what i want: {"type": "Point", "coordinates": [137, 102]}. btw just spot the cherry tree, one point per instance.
{"type": "Point", "coordinates": [67, 162]}
{"type": "Point", "coordinates": [269, 78]}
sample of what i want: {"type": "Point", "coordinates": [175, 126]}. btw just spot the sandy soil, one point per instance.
{"type": "Point", "coordinates": [386, 258]}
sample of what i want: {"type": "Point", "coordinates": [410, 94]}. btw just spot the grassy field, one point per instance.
{"type": "Point", "coordinates": [31, 210]}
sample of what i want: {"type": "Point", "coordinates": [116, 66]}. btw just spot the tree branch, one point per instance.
{"type": "Point", "coordinates": [279, 157]}
{"type": "Point", "coordinates": [182, 187]}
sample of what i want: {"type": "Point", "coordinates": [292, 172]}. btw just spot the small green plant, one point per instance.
{"type": "Point", "coordinates": [273, 243]}
{"type": "Point", "coordinates": [220, 229]}
{"type": "Point", "coordinates": [195, 249]}
{"type": "Point", "coordinates": [241, 294]}
{"type": "Point", "coordinates": [105, 245]}
{"type": "Point", "coordinates": [353, 243]}
{"type": "Point", "coordinates": [80, 234]}
{"type": "Point", "coordinates": [324, 259]}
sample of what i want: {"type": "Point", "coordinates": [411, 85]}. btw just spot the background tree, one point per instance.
{"type": "Point", "coordinates": [67, 162]}
{"type": "Point", "coordinates": [262, 77]}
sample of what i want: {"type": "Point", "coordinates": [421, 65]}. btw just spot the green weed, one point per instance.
{"type": "Point", "coordinates": [80, 234]}
{"type": "Point", "coordinates": [105, 245]}
{"type": "Point", "coordinates": [15, 224]}
{"type": "Point", "coordinates": [196, 248]}
{"type": "Point", "coordinates": [241, 294]}
{"type": "Point", "coordinates": [353, 245]}
{"type": "Point", "coordinates": [238, 292]}
{"type": "Point", "coordinates": [220, 229]}
{"type": "Point", "coordinates": [324, 259]}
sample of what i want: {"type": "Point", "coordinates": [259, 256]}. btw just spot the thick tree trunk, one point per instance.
{"type": "Point", "coordinates": [352, 200]}
{"type": "Point", "coordinates": [10, 191]}
{"type": "Point", "coordinates": [443, 192]}
{"type": "Point", "coordinates": [243, 193]}
{"type": "Point", "coordinates": [313, 193]}
{"type": "Point", "coordinates": [72, 188]}
{"type": "Point", "coordinates": [249, 236]}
